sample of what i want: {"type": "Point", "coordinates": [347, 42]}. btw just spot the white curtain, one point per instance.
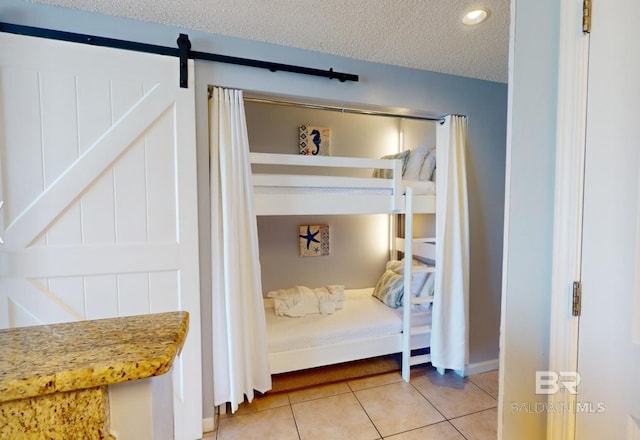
{"type": "Point", "coordinates": [450, 334]}
{"type": "Point", "coordinates": [240, 354]}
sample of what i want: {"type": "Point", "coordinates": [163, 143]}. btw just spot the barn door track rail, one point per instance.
{"type": "Point", "coordinates": [183, 51]}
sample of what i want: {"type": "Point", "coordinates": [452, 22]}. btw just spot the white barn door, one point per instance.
{"type": "Point", "coordinates": [98, 178]}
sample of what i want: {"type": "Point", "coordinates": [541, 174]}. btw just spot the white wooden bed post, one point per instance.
{"type": "Point", "coordinates": [406, 299]}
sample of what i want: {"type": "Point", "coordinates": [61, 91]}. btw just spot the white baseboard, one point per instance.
{"type": "Point", "coordinates": [208, 424]}
{"type": "Point", "coordinates": [482, 367]}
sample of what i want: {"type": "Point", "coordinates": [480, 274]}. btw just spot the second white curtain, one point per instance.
{"type": "Point", "coordinates": [240, 353]}
{"type": "Point", "coordinates": [450, 334]}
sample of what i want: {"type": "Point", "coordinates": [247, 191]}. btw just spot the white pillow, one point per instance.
{"type": "Point", "coordinates": [414, 164]}
{"type": "Point", "coordinates": [417, 278]}
{"type": "Point", "coordinates": [428, 166]}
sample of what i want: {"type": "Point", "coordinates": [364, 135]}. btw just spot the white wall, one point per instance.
{"type": "Point", "coordinates": [484, 103]}
{"type": "Point", "coordinates": [529, 213]}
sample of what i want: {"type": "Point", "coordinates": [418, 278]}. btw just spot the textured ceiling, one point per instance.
{"type": "Point", "coordinates": [422, 34]}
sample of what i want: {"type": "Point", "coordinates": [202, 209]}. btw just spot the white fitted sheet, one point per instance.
{"type": "Point", "coordinates": [362, 317]}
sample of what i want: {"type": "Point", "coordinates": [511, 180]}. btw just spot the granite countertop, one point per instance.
{"type": "Point", "coordinates": [46, 359]}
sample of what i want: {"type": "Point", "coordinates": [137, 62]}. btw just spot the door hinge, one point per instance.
{"type": "Point", "coordinates": [586, 16]}
{"type": "Point", "coordinates": [577, 298]}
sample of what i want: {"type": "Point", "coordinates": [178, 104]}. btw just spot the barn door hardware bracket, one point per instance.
{"type": "Point", "coordinates": [184, 46]}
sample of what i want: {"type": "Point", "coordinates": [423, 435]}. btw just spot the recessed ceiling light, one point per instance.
{"type": "Point", "coordinates": [475, 16]}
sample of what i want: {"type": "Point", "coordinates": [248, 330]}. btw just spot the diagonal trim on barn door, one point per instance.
{"type": "Point", "coordinates": [55, 299]}
{"type": "Point", "coordinates": [83, 171]}
{"type": "Point", "coordinates": [33, 297]}
{"type": "Point", "coordinates": [69, 261]}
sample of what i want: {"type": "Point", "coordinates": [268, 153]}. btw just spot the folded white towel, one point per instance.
{"type": "Point", "coordinates": [300, 301]}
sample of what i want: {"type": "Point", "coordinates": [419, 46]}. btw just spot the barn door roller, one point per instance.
{"type": "Point", "coordinates": [184, 46]}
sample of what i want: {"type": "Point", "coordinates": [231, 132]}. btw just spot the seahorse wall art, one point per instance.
{"type": "Point", "coordinates": [314, 141]}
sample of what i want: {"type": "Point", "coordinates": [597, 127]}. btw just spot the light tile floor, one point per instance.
{"type": "Point", "coordinates": [380, 407]}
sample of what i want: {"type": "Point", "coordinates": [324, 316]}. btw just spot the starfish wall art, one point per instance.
{"type": "Point", "coordinates": [314, 240]}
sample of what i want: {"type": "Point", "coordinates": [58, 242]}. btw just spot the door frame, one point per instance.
{"type": "Point", "coordinates": [568, 207]}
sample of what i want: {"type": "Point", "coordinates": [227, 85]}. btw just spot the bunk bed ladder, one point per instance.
{"type": "Point", "coordinates": [408, 330]}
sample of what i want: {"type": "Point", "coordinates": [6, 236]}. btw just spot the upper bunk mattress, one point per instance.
{"type": "Point", "coordinates": [362, 316]}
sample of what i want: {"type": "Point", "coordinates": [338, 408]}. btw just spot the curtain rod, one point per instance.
{"type": "Point", "coordinates": [183, 51]}
{"type": "Point", "coordinates": [342, 109]}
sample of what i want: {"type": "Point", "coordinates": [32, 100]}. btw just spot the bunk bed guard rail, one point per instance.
{"type": "Point", "coordinates": [292, 191]}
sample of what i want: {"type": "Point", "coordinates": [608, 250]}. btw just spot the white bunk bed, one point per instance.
{"type": "Point", "coordinates": [288, 193]}
{"type": "Point", "coordinates": [365, 327]}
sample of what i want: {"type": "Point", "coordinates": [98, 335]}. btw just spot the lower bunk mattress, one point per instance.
{"type": "Point", "coordinates": [362, 318]}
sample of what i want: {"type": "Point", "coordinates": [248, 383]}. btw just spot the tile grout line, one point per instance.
{"type": "Point", "coordinates": [446, 419]}
{"type": "Point", "coordinates": [479, 385]}
{"type": "Point", "coordinates": [413, 429]}
{"type": "Point", "coordinates": [485, 391]}
{"type": "Point", "coordinates": [449, 420]}
{"type": "Point", "coordinates": [295, 421]}
{"type": "Point", "coordinates": [457, 430]}
{"type": "Point", "coordinates": [366, 413]}
{"type": "Point", "coordinates": [430, 402]}
{"type": "Point", "coordinates": [465, 415]}
{"type": "Point", "coordinates": [472, 413]}
{"type": "Point", "coordinates": [318, 398]}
